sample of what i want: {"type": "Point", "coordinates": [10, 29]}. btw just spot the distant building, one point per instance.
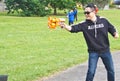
{"type": "Point", "coordinates": [2, 6]}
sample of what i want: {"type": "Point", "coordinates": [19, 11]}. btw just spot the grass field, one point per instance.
{"type": "Point", "coordinates": [30, 51]}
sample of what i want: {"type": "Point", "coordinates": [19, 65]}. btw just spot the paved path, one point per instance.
{"type": "Point", "coordinates": [78, 73]}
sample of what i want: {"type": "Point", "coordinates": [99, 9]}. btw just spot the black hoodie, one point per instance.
{"type": "Point", "coordinates": [95, 33]}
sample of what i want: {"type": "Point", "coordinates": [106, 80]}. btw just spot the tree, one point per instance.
{"type": "Point", "coordinates": [83, 2]}
{"type": "Point", "coordinates": [27, 7]}
{"type": "Point", "coordinates": [60, 4]}
{"type": "Point", "coordinates": [101, 3]}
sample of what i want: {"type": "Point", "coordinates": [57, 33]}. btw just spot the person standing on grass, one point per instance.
{"type": "Point", "coordinates": [75, 13]}
{"type": "Point", "coordinates": [95, 30]}
{"type": "Point", "coordinates": [70, 16]}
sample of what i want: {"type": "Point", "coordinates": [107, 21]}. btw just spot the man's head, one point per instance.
{"type": "Point", "coordinates": [89, 11]}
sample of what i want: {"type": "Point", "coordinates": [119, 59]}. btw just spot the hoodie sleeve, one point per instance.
{"type": "Point", "coordinates": [111, 29]}
{"type": "Point", "coordinates": [76, 28]}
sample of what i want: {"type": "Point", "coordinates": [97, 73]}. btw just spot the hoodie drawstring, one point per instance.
{"type": "Point", "coordinates": [95, 30]}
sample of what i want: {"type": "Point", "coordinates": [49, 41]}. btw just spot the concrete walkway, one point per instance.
{"type": "Point", "coordinates": [78, 73]}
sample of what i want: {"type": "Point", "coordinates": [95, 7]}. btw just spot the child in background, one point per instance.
{"type": "Point", "coordinates": [70, 16]}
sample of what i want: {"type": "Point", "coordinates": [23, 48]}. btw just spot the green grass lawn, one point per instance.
{"type": "Point", "coordinates": [30, 51]}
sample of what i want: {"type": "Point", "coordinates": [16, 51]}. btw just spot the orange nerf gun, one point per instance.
{"type": "Point", "coordinates": [53, 22]}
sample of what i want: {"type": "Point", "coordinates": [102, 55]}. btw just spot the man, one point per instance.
{"type": "Point", "coordinates": [95, 30]}
{"type": "Point", "coordinates": [75, 13]}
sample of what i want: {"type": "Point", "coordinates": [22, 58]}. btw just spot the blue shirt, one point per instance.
{"type": "Point", "coordinates": [71, 16]}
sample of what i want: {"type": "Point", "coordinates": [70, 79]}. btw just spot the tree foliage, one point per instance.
{"type": "Point", "coordinates": [27, 7]}
{"type": "Point", "coordinates": [60, 4]}
{"type": "Point", "coordinates": [41, 7]}
{"type": "Point", "coordinates": [101, 3]}
{"type": "Point", "coordinates": [83, 2]}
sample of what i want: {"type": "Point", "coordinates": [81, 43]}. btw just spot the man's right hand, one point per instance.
{"type": "Point", "coordinates": [65, 26]}
{"type": "Point", "coordinates": [116, 35]}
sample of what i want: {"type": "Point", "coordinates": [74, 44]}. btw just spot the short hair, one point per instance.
{"type": "Point", "coordinates": [91, 5]}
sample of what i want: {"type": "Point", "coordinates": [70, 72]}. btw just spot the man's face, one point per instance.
{"type": "Point", "coordinates": [89, 13]}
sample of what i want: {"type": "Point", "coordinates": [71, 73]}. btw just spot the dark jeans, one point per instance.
{"type": "Point", "coordinates": [70, 22]}
{"type": "Point", "coordinates": [107, 61]}
{"type": "Point", "coordinates": [76, 17]}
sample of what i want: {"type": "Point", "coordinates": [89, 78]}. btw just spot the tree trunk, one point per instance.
{"type": "Point", "coordinates": [55, 11]}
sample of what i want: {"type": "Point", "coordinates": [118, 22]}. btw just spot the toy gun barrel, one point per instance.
{"type": "Point", "coordinates": [54, 22]}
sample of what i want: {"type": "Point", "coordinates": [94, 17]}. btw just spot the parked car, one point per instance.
{"type": "Point", "coordinates": [116, 2]}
